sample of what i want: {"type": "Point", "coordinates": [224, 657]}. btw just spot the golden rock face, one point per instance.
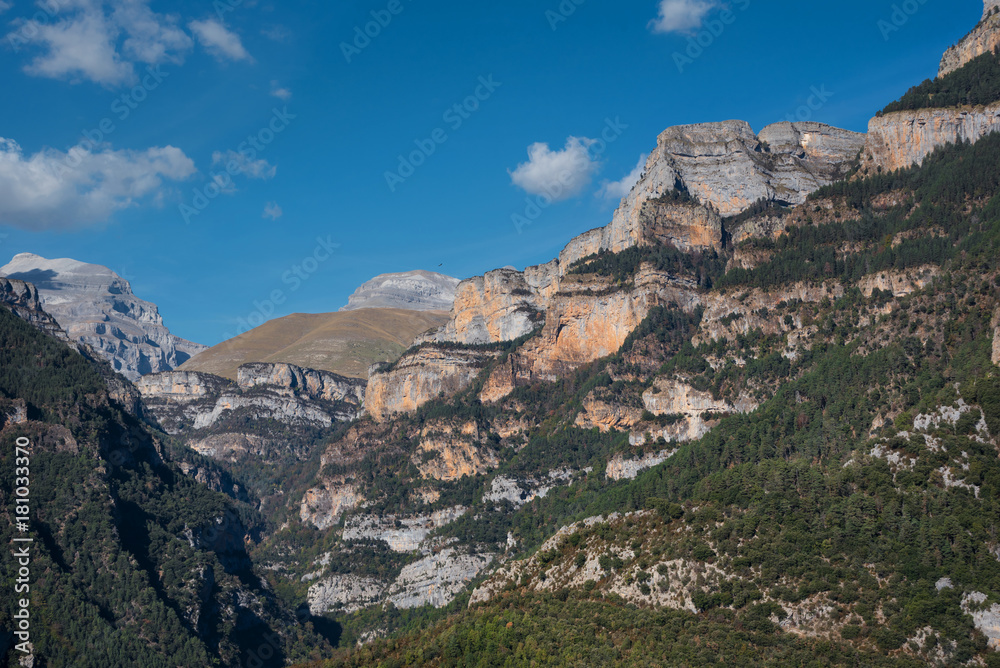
{"type": "Point", "coordinates": [904, 138]}
{"type": "Point", "coordinates": [983, 39]}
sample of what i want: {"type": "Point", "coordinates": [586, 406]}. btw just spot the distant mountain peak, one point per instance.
{"type": "Point", "coordinates": [416, 290]}
{"type": "Point", "coordinates": [96, 306]}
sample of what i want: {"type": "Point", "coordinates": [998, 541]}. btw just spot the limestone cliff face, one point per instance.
{"type": "Point", "coordinates": [500, 306]}
{"type": "Point", "coordinates": [23, 300]}
{"type": "Point", "coordinates": [729, 167]}
{"type": "Point", "coordinates": [996, 337]}
{"type": "Point", "coordinates": [447, 452]}
{"type": "Point", "coordinates": [904, 138]}
{"type": "Point", "coordinates": [310, 382]}
{"type": "Point", "coordinates": [984, 38]}
{"type": "Point", "coordinates": [183, 400]}
{"type": "Point", "coordinates": [412, 290]}
{"type": "Point", "coordinates": [584, 324]}
{"type": "Point", "coordinates": [323, 506]}
{"type": "Point", "coordinates": [669, 396]}
{"type": "Point", "coordinates": [96, 306]}
{"type": "Point", "coordinates": [421, 376]}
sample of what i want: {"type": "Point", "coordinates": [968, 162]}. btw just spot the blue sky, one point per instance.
{"type": "Point", "coordinates": [119, 116]}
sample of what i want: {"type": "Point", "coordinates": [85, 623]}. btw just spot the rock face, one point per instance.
{"type": "Point", "coordinates": [413, 290]}
{"type": "Point", "coordinates": [96, 306]}
{"type": "Point", "coordinates": [904, 138]}
{"type": "Point", "coordinates": [23, 300]}
{"type": "Point", "coordinates": [401, 534]}
{"type": "Point", "coordinates": [620, 468]}
{"type": "Point", "coordinates": [323, 507]}
{"type": "Point", "coordinates": [419, 377]}
{"type": "Point", "coordinates": [346, 593]}
{"type": "Point", "coordinates": [308, 382]}
{"type": "Point", "coordinates": [446, 453]}
{"type": "Point", "coordinates": [436, 579]}
{"type": "Point", "coordinates": [984, 38]}
{"type": "Point", "coordinates": [729, 167]}
{"type": "Point", "coordinates": [183, 400]}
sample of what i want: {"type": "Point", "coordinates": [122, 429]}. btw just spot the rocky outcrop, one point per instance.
{"type": "Point", "coordinates": [696, 411]}
{"type": "Point", "coordinates": [437, 579]}
{"type": "Point", "coordinates": [985, 619]}
{"type": "Point", "coordinates": [729, 167]}
{"type": "Point", "coordinates": [345, 593]}
{"type": "Point", "coordinates": [899, 283]}
{"type": "Point", "coordinates": [323, 507]}
{"type": "Point", "coordinates": [584, 323]}
{"type": "Point", "coordinates": [401, 534]}
{"type": "Point", "coordinates": [984, 38]}
{"type": "Point", "coordinates": [181, 387]}
{"type": "Point", "coordinates": [190, 400]}
{"type": "Point", "coordinates": [500, 306]}
{"type": "Point", "coordinates": [996, 337]}
{"type": "Point", "coordinates": [448, 453]}
{"type": "Point", "coordinates": [23, 300]}
{"type": "Point", "coordinates": [606, 414]}
{"type": "Point", "coordinates": [422, 375]}
{"type": "Point", "coordinates": [522, 491]}
{"type": "Point", "coordinates": [620, 468]}
{"type": "Point", "coordinates": [96, 306]}
{"type": "Point", "coordinates": [412, 290]}
{"type": "Point", "coordinates": [903, 138]}
{"type": "Point", "coordinates": [310, 383]}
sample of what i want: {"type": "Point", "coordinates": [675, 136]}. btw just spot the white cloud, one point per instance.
{"type": "Point", "coordinates": [279, 92]}
{"type": "Point", "coordinates": [254, 169]}
{"type": "Point", "coordinates": [682, 15]}
{"type": "Point", "coordinates": [219, 40]}
{"type": "Point", "coordinates": [4, 6]}
{"type": "Point", "coordinates": [100, 41]}
{"type": "Point", "coordinates": [556, 174]}
{"type": "Point", "coordinates": [152, 38]}
{"type": "Point", "coordinates": [272, 211]}
{"type": "Point", "coordinates": [619, 189]}
{"type": "Point", "coordinates": [86, 185]}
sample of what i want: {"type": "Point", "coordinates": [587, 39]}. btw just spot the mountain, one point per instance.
{"type": "Point", "coordinates": [756, 418]}
{"type": "Point", "coordinates": [96, 306]}
{"type": "Point", "coordinates": [346, 343]}
{"type": "Point", "coordinates": [414, 290]}
{"type": "Point", "coordinates": [133, 563]}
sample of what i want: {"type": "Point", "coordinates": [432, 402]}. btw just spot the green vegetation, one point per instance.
{"type": "Point", "coordinates": [975, 83]}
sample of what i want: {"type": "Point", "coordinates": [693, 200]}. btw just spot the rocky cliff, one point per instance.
{"type": "Point", "coordinates": [420, 376]}
{"type": "Point", "coordinates": [96, 306]}
{"type": "Point", "coordinates": [184, 401]}
{"type": "Point", "coordinates": [903, 138]}
{"type": "Point", "coordinates": [23, 300]}
{"type": "Point", "coordinates": [413, 290]}
{"type": "Point", "coordinates": [984, 38]}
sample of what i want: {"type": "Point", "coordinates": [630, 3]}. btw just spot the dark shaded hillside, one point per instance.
{"type": "Point", "coordinates": [133, 563]}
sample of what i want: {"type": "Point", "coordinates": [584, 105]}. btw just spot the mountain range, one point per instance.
{"type": "Point", "coordinates": [754, 419]}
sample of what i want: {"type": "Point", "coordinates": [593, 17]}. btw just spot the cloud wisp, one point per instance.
{"type": "Point", "coordinates": [618, 189]}
{"type": "Point", "coordinates": [682, 16]}
{"type": "Point", "coordinates": [83, 186]}
{"type": "Point", "coordinates": [558, 175]}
